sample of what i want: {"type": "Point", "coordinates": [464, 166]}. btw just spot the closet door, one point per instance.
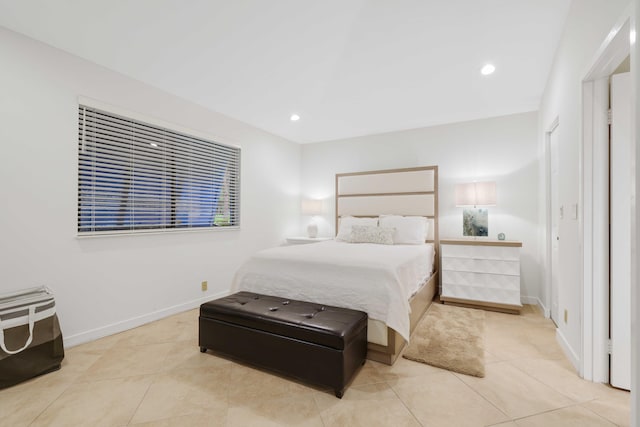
{"type": "Point", "coordinates": [554, 154]}
{"type": "Point", "coordinates": [620, 237]}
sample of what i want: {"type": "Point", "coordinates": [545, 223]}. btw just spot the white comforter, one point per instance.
{"type": "Point", "coordinates": [377, 279]}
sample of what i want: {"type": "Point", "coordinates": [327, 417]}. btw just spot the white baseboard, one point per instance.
{"type": "Point", "coordinates": [568, 351]}
{"type": "Point", "coordinates": [134, 322]}
{"type": "Point", "coordinates": [545, 310]}
{"type": "Point", "coordinates": [535, 301]}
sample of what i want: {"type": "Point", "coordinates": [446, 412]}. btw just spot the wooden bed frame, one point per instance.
{"type": "Point", "coordinates": [409, 191]}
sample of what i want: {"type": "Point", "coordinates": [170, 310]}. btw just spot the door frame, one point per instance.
{"type": "Point", "coordinates": [635, 223]}
{"type": "Point", "coordinates": [547, 148]}
{"type": "Point", "coordinates": [593, 223]}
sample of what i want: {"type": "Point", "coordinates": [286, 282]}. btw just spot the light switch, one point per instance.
{"type": "Point", "coordinates": [574, 211]}
{"type": "Point", "coordinates": [561, 212]}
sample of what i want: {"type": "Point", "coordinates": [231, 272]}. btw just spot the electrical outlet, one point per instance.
{"type": "Point", "coordinates": [205, 285]}
{"type": "Point", "coordinates": [566, 315]}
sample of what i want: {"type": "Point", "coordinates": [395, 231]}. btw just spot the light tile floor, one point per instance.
{"type": "Point", "coordinates": [155, 375]}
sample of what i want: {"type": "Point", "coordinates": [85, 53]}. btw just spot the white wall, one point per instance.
{"type": "Point", "coordinates": [107, 284]}
{"type": "Point", "coordinates": [588, 23]}
{"type": "Point", "coordinates": [504, 149]}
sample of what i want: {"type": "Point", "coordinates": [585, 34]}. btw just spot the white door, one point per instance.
{"type": "Point", "coordinates": [555, 220]}
{"type": "Point", "coordinates": [620, 234]}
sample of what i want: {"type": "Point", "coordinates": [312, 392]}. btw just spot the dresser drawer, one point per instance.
{"type": "Point", "coordinates": [481, 294]}
{"type": "Point", "coordinates": [479, 265]}
{"type": "Point", "coordinates": [490, 281]}
{"type": "Point", "coordinates": [508, 253]}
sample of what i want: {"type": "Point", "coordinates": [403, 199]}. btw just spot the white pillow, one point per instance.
{"type": "Point", "coordinates": [346, 222]}
{"type": "Point", "coordinates": [410, 230]}
{"type": "Point", "coordinates": [371, 234]}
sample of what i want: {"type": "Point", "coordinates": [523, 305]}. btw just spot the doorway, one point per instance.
{"type": "Point", "coordinates": [594, 361]}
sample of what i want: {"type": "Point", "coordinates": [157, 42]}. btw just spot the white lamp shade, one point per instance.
{"type": "Point", "coordinates": [476, 194]}
{"type": "Point", "coordinates": [311, 207]}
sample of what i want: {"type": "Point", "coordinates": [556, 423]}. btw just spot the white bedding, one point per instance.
{"type": "Point", "coordinates": [377, 279]}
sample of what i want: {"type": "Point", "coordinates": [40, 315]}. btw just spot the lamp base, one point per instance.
{"type": "Point", "coordinates": [312, 231]}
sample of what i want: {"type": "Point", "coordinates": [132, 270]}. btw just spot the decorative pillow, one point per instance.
{"type": "Point", "coordinates": [346, 222]}
{"type": "Point", "coordinates": [410, 230]}
{"type": "Point", "coordinates": [371, 234]}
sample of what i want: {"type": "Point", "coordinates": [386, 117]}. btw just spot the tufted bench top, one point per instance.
{"type": "Point", "coordinates": [321, 324]}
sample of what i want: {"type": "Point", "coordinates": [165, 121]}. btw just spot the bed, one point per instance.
{"type": "Point", "coordinates": [394, 284]}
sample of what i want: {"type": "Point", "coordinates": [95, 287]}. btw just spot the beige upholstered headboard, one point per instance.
{"type": "Point", "coordinates": [410, 191]}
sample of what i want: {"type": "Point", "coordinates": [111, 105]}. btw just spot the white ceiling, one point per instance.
{"type": "Point", "coordinates": [347, 67]}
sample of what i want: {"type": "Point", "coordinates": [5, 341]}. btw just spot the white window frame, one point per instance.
{"type": "Point", "coordinates": [171, 195]}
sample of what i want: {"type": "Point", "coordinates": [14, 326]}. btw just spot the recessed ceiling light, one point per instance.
{"type": "Point", "coordinates": [153, 144]}
{"type": "Point", "coordinates": [294, 117]}
{"type": "Point", "coordinates": [488, 69]}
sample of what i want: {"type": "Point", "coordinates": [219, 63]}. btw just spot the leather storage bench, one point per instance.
{"type": "Point", "coordinates": [315, 343]}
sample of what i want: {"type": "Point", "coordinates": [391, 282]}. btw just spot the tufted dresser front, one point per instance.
{"type": "Point", "coordinates": [481, 273]}
{"type": "Point", "coordinates": [320, 344]}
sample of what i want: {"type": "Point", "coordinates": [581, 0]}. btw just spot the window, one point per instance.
{"type": "Point", "coordinates": [134, 176]}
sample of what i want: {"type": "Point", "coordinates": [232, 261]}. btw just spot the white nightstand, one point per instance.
{"type": "Point", "coordinates": [484, 273]}
{"type": "Point", "coordinates": [303, 240]}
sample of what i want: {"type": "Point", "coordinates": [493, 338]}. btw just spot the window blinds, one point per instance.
{"type": "Point", "coordinates": [134, 176]}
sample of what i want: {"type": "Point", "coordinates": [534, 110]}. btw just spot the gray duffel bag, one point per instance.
{"type": "Point", "coordinates": [30, 337]}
